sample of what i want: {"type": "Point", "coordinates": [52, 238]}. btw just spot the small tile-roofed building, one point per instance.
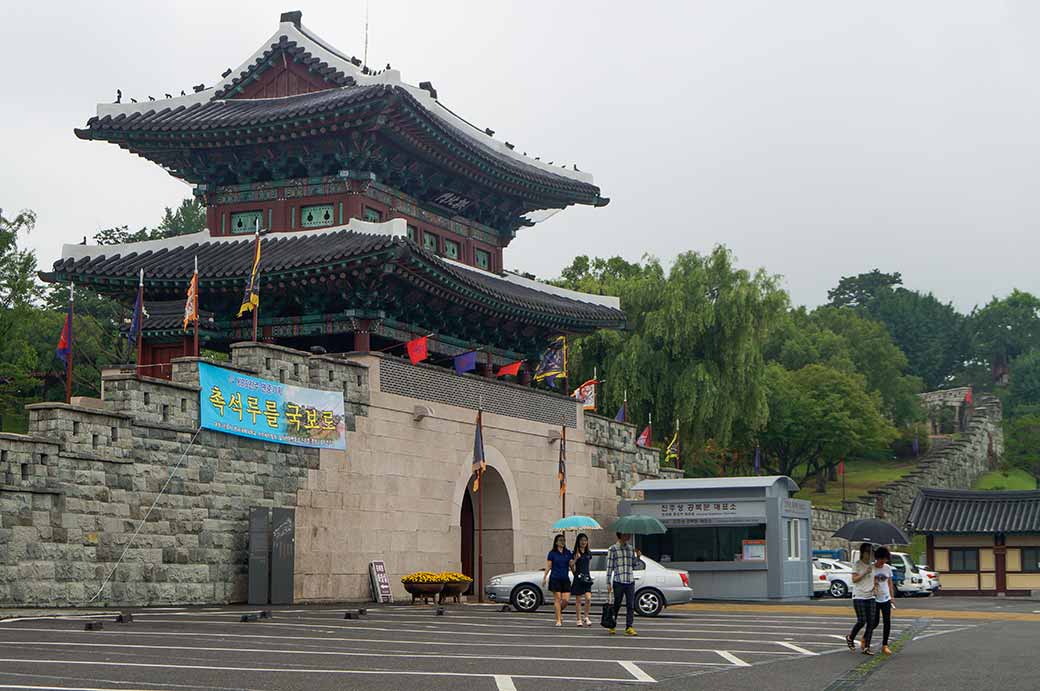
{"type": "Point", "coordinates": [981, 542]}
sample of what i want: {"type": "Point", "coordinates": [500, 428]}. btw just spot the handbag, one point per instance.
{"type": "Point", "coordinates": [608, 620]}
{"type": "Point", "coordinates": [583, 578]}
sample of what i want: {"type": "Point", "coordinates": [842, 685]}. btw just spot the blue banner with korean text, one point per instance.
{"type": "Point", "coordinates": [236, 403]}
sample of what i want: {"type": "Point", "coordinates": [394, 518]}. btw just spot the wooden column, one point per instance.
{"type": "Point", "coordinates": [1000, 563]}
{"type": "Point", "coordinates": [929, 551]}
{"type": "Point", "coordinates": [362, 336]}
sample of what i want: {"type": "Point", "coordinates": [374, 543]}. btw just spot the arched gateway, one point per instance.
{"type": "Point", "coordinates": [501, 517]}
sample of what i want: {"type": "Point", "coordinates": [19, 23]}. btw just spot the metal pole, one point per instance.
{"type": "Point", "coordinates": [563, 498]}
{"type": "Point", "coordinates": [480, 543]}
{"type": "Point", "coordinates": [196, 306]}
{"type": "Point", "coordinates": [68, 365]}
{"type": "Point", "coordinates": [140, 323]}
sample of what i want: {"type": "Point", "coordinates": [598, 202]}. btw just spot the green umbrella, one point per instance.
{"type": "Point", "coordinates": [638, 524]}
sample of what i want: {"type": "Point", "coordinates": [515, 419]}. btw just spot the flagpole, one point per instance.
{"type": "Point", "coordinates": [256, 307]}
{"type": "Point", "coordinates": [480, 520]}
{"type": "Point", "coordinates": [140, 325]}
{"type": "Point", "coordinates": [563, 497]}
{"type": "Point", "coordinates": [68, 365]}
{"type": "Point", "coordinates": [196, 346]}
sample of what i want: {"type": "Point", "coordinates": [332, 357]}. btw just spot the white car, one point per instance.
{"type": "Point", "coordinates": [831, 577]}
{"type": "Point", "coordinates": [910, 579]}
{"type": "Point", "coordinates": [656, 586]}
{"type": "Point", "coordinates": [931, 579]}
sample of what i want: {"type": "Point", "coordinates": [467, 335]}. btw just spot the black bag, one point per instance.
{"type": "Point", "coordinates": [608, 620]}
{"type": "Point", "coordinates": [583, 578]}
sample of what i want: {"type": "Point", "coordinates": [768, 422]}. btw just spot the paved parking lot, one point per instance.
{"type": "Point", "coordinates": [402, 647]}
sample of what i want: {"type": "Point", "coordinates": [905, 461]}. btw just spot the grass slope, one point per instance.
{"type": "Point", "coordinates": [860, 476]}
{"type": "Point", "coordinates": [1010, 479]}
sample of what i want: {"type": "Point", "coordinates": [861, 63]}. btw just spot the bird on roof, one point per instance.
{"type": "Point", "coordinates": [84, 240]}
{"type": "Point", "coordinates": [119, 96]}
{"type": "Point", "coordinates": [182, 93]}
{"type": "Point", "coordinates": [550, 162]}
{"type": "Point", "coordinates": [576, 167]}
{"type": "Point", "coordinates": [169, 96]}
{"type": "Point", "coordinates": [388, 65]}
{"type": "Point", "coordinates": [133, 100]}
{"type": "Point", "coordinates": [151, 98]}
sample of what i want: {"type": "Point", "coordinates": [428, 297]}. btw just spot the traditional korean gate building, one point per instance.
{"type": "Point", "coordinates": [981, 542]}
{"type": "Point", "coordinates": [384, 216]}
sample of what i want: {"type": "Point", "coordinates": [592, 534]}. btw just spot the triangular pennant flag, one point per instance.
{"type": "Point", "coordinates": [479, 462]}
{"type": "Point", "coordinates": [644, 438]}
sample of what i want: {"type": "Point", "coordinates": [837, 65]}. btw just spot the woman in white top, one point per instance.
{"type": "Point", "coordinates": [883, 594]}
{"type": "Point", "coordinates": [863, 598]}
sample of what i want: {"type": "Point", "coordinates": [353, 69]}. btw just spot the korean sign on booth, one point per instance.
{"type": "Point", "coordinates": [236, 403]}
{"type": "Point", "coordinates": [707, 512]}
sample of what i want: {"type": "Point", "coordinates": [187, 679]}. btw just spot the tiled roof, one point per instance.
{"type": "Point", "coordinates": [168, 315]}
{"type": "Point", "coordinates": [313, 252]}
{"type": "Point", "coordinates": [971, 511]}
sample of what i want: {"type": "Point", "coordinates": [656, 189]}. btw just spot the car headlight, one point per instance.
{"type": "Point", "coordinates": [497, 580]}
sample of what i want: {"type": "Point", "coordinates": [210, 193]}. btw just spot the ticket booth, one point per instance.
{"type": "Point", "coordinates": [740, 538]}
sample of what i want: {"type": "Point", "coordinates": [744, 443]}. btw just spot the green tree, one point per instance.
{"type": "Point", "coordinates": [188, 217]}
{"type": "Point", "coordinates": [861, 290]}
{"type": "Point", "coordinates": [1022, 444]}
{"type": "Point", "coordinates": [930, 333]}
{"type": "Point", "coordinates": [1004, 329]}
{"type": "Point", "coordinates": [1023, 395]}
{"type": "Point", "coordinates": [693, 349]}
{"type": "Point", "coordinates": [817, 416]}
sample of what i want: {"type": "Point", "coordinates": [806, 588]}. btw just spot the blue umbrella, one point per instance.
{"type": "Point", "coordinates": [576, 523]}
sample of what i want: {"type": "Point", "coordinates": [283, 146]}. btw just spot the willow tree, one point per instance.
{"type": "Point", "coordinates": [693, 349]}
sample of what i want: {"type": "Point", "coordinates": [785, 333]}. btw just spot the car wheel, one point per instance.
{"type": "Point", "coordinates": [526, 598]}
{"type": "Point", "coordinates": [649, 602]}
{"type": "Point", "coordinates": [838, 589]}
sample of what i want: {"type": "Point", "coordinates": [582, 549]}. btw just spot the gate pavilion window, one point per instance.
{"type": "Point", "coordinates": [245, 221]}
{"type": "Point", "coordinates": [483, 259]}
{"type": "Point", "coordinates": [964, 560]}
{"type": "Point", "coordinates": [429, 242]}
{"type": "Point", "coordinates": [715, 543]}
{"type": "Point", "coordinates": [316, 216]}
{"type": "Point", "coordinates": [373, 215]}
{"type": "Point", "coordinates": [412, 232]}
{"type": "Point", "coordinates": [451, 249]}
{"type": "Point", "coordinates": [1031, 559]}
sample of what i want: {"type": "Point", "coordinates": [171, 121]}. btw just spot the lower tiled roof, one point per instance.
{"type": "Point", "coordinates": [168, 265]}
{"type": "Point", "coordinates": [972, 511]}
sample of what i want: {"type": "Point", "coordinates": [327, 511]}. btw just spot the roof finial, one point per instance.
{"type": "Point", "coordinates": [293, 18]}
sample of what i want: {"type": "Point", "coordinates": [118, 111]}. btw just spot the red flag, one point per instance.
{"type": "Point", "coordinates": [841, 467]}
{"type": "Point", "coordinates": [644, 438]}
{"type": "Point", "coordinates": [511, 370]}
{"type": "Point", "coordinates": [417, 349]}
{"type": "Point", "coordinates": [967, 398]}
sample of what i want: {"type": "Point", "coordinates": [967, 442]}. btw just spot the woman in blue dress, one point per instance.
{"type": "Point", "coordinates": [581, 588]}
{"type": "Point", "coordinates": [557, 573]}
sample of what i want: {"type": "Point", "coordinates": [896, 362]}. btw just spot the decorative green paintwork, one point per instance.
{"type": "Point", "coordinates": [429, 242]}
{"type": "Point", "coordinates": [483, 259]}
{"type": "Point", "coordinates": [451, 249]}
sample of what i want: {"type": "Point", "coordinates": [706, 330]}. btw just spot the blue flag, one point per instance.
{"type": "Point", "coordinates": [137, 321]}
{"type": "Point", "coordinates": [467, 362]}
{"type": "Point", "coordinates": [621, 413]}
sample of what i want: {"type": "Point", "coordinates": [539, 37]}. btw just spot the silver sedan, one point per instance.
{"type": "Point", "coordinates": [656, 586]}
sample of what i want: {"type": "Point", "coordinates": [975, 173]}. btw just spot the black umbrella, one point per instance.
{"type": "Point", "coordinates": [874, 531]}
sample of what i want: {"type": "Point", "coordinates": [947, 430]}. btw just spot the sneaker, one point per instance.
{"type": "Point", "coordinates": [630, 632]}
{"type": "Point", "coordinates": [588, 622]}
{"type": "Point", "coordinates": [559, 623]}
{"type": "Point", "coordinates": [610, 631]}
{"type": "Point", "coordinates": [581, 623]}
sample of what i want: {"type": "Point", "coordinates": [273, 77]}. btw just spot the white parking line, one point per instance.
{"type": "Point", "coordinates": [797, 649]}
{"type": "Point", "coordinates": [732, 658]}
{"type": "Point", "coordinates": [636, 672]}
{"type": "Point", "coordinates": [71, 688]}
{"type": "Point", "coordinates": [294, 670]}
{"type": "Point", "coordinates": [504, 683]}
{"type": "Point", "coordinates": [940, 633]}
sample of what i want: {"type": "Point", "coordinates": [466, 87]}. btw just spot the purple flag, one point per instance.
{"type": "Point", "coordinates": [467, 362]}
{"type": "Point", "coordinates": [620, 417]}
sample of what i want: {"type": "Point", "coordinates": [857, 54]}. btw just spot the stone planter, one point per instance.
{"type": "Point", "coordinates": [454, 590]}
{"type": "Point", "coordinates": [423, 591]}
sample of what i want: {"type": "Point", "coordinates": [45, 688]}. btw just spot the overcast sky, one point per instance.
{"type": "Point", "coordinates": [814, 139]}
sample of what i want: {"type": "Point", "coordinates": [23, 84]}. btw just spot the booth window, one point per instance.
{"type": "Point", "coordinates": [794, 539]}
{"type": "Point", "coordinates": [1031, 559]}
{"type": "Point", "coordinates": [964, 560]}
{"type": "Point", "coordinates": [717, 543]}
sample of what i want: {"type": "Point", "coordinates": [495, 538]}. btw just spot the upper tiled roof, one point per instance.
{"type": "Point", "coordinates": [971, 511]}
{"type": "Point", "coordinates": [170, 262]}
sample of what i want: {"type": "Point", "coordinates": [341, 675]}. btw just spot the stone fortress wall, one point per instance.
{"type": "Point", "coordinates": [76, 487]}
{"type": "Point", "coordinates": [949, 464]}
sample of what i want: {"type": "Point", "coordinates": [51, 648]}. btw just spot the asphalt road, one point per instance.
{"type": "Point", "coordinates": [472, 647]}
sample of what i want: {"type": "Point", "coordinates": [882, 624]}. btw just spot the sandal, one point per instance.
{"type": "Point", "coordinates": [588, 622]}
{"type": "Point", "coordinates": [868, 651]}
{"type": "Point", "coordinates": [851, 642]}
{"type": "Point", "coordinates": [581, 624]}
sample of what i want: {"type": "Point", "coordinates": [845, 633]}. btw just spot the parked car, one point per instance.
{"type": "Point", "coordinates": [832, 577]}
{"type": "Point", "coordinates": [656, 586]}
{"type": "Point", "coordinates": [932, 582]}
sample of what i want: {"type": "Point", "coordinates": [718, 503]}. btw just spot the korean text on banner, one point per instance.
{"type": "Point", "coordinates": [236, 403]}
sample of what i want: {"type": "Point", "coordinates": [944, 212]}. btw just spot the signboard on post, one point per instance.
{"type": "Point", "coordinates": [236, 403]}
{"type": "Point", "coordinates": [381, 591]}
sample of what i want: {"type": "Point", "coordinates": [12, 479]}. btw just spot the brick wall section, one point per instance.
{"type": "Point", "coordinates": [614, 447]}
{"type": "Point", "coordinates": [953, 465]}
{"type": "Point", "coordinates": [73, 490]}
